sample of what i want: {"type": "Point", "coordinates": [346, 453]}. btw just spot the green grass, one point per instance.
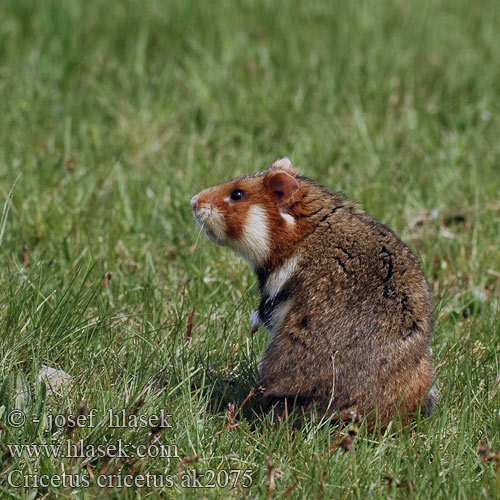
{"type": "Point", "coordinates": [113, 114]}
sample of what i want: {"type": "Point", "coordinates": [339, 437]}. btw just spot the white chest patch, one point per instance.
{"type": "Point", "coordinates": [254, 242]}
{"type": "Point", "coordinates": [278, 278]}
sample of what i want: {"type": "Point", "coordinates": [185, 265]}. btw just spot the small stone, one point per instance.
{"type": "Point", "coordinates": [56, 380]}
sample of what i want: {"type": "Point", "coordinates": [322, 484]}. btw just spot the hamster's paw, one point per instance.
{"type": "Point", "coordinates": [255, 322]}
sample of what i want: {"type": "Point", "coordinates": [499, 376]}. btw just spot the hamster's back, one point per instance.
{"type": "Point", "coordinates": [357, 333]}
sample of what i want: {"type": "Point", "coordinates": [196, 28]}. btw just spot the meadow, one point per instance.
{"type": "Point", "coordinates": [114, 114]}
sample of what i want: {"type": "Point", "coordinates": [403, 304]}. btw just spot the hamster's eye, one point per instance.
{"type": "Point", "coordinates": [237, 195]}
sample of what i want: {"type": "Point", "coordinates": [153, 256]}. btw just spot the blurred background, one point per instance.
{"type": "Point", "coordinates": [116, 113]}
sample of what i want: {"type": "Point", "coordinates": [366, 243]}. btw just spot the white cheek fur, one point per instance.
{"type": "Point", "coordinates": [253, 244]}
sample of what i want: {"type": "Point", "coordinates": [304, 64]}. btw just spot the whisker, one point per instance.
{"type": "Point", "coordinates": [202, 227]}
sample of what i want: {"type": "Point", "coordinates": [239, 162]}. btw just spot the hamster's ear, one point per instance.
{"type": "Point", "coordinates": [286, 165]}
{"type": "Point", "coordinates": [282, 186]}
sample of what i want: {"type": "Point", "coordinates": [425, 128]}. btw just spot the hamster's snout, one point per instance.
{"type": "Point", "coordinates": [194, 202]}
{"type": "Point", "coordinates": [209, 217]}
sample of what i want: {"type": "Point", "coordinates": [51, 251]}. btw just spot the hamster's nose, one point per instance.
{"type": "Point", "coordinates": [194, 202]}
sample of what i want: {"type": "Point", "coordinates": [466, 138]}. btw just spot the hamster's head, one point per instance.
{"type": "Point", "coordinates": [252, 215]}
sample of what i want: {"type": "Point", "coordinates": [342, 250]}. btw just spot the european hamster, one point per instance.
{"type": "Point", "coordinates": [345, 301]}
